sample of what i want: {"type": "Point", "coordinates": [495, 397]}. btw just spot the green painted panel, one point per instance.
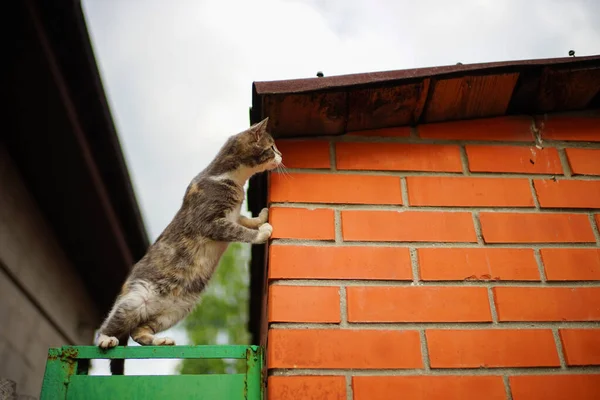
{"type": "Point", "coordinates": [66, 375]}
{"type": "Point", "coordinates": [180, 387]}
{"type": "Point", "coordinates": [56, 375]}
{"type": "Point", "coordinates": [254, 372]}
{"type": "Point", "coordinates": [93, 352]}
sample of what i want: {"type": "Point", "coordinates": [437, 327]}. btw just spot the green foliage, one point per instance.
{"type": "Point", "coordinates": [221, 317]}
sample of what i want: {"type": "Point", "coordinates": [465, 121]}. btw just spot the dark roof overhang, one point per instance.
{"type": "Point", "coordinates": [63, 141]}
{"type": "Point", "coordinates": [338, 104]}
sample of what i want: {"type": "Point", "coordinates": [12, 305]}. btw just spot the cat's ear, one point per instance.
{"type": "Point", "coordinates": [259, 128]}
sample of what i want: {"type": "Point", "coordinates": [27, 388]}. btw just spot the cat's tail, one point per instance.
{"type": "Point", "coordinates": [117, 365]}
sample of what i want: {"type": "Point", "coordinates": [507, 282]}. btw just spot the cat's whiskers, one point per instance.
{"type": "Point", "coordinates": [285, 170]}
{"type": "Point", "coordinates": [282, 170]}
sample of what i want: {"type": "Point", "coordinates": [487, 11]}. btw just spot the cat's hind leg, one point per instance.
{"type": "Point", "coordinates": [144, 335]}
{"type": "Point", "coordinates": [129, 309]}
{"type": "Point", "coordinates": [107, 342]}
{"type": "Point", "coordinates": [114, 329]}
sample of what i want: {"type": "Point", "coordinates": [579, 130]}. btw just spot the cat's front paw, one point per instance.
{"type": "Point", "coordinates": [264, 233]}
{"type": "Point", "coordinates": [264, 215]}
{"type": "Point", "coordinates": [266, 227]}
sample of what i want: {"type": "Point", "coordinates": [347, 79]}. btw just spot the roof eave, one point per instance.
{"type": "Point", "coordinates": [64, 143]}
{"type": "Point", "coordinates": [337, 104]}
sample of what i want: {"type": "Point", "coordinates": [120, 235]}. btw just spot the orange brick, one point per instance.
{"type": "Point", "coordinates": [555, 387]}
{"type": "Point", "coordinates": [579, 128]}
{"type": "Point", "coordinates": [451, 387]}
{"type": "Point", "coordinates": [306, 388]}
{"type": "Point", "coordinates": [468, 192]}
{"type": "Point", "coordinates": [304, 304]}
{"type": "Point", "coordinates": [503, 128]}
{"type": "Point", "coordinates": [408, 226]}
{"type": "Point", "coordinates": [571, 264]}
{"type": "Point", "coordinates": [515, 159]}
{"type": "Point", "coordinates": [335, 348]}
{"type": "Point", "coordinates": [330, 188]}
{"type": "Point", "coordinates": [584, 161]}
{"type": "Point", "coordinates": [400, 131]}
{"type": "Point", "coordinates": [418, 304]}
{"type": "Point", "coordinates": [568, 193]}
{"type": "Point", "coordinates": [339, 262]}
{"type": "Point", "coordinates": [547, 304]}
{"type": "Point", "coordinates": [581, 346]}
{"type": "Point", "coordinates": [397, 157]}
{"type": "Point", "coordinates": [301, 223]}
{"type": "Point", "coordinates": [437, 264]}
{"type": "Point", "coordinates": [304, 153]}
{"type": "Point", "coordinates": [535, 228]}
{"type": "Point", "coordinates": [491, 348]}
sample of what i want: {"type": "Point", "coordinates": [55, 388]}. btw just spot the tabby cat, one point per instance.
{"type": "Point", "coordinates": [164, 286]}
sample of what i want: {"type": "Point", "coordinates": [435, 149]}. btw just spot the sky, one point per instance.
{"type": "Point", "coordinates": [178, 74]}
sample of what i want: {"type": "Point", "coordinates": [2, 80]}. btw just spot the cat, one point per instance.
{"type": "Point", "coordinates": [165, 285]}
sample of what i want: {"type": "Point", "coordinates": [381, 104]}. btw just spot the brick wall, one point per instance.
{"type": "Point", "coordinates": [455, 261]}
{"type": "Point", "coordinates": [43, 302]}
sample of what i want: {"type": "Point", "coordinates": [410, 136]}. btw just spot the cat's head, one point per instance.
{"type": "Point", "coordinates": [258, 148]}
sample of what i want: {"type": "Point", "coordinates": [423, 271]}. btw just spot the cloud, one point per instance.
{"type": "Point", "coordinates": [178, 74]}
{"type": "Point", "coordinates": [431, 32]}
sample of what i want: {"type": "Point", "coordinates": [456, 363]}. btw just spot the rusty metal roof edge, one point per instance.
{"type": "Point", "coordinates": [306, 85]}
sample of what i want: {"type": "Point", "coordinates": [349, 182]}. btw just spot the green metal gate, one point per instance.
{"type": "Point", "coordinates": [66, 375]}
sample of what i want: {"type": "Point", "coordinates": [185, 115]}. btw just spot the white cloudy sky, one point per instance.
{"type": "Point", "coordinates": [178, 73]}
